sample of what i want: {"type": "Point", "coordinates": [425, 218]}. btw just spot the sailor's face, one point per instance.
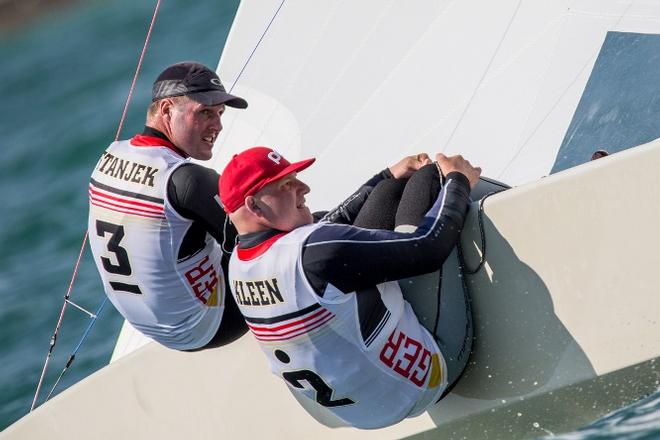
{"type": "Point", "coordinates": [283, 203]}
{"type": "Point", "coordinates": [195, 127]}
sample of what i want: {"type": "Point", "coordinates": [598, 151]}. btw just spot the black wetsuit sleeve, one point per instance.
{"type": "Point", "coordinates": [353, 258]}
{"type": "Point", "coordinates": [347, 211]}
{"type": "Point", "coordinates": [193, 193]}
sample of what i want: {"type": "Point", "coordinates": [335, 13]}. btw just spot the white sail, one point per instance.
{"type": "Point", "coordinates": [360, 84]}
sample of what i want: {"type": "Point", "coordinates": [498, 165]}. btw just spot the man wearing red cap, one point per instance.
{"type": "Point", "coordinates": [155, 225]}
{"type": "Point", "coordinates": [322, 300]}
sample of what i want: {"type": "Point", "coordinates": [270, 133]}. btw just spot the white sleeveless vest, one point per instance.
{"type": "Point", "coordinates": [316, 346]}
{"type": "Point", "coordinates": [135, 237]}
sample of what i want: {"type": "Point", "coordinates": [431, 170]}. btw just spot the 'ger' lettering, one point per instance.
{"type": "Point", "coordinates": [407, 357]}
{"type": "Point", "coordinates": [203, 280]}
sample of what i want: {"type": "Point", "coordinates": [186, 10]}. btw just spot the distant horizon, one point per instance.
{"type": "Point", "coordinates": [16, 14]}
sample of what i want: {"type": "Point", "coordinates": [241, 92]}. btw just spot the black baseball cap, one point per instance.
{"type": "Point", "coordinates": [195, 81]}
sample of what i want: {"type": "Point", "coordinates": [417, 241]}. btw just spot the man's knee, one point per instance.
{"type": "Point", "coordinates": [380, 207]}
{"type": "Point", "coordinates": [389, 188]}
{"type": "Point", "coordinates": [428, 175]}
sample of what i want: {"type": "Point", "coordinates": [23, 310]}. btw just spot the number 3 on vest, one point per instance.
{"type": "Point", "coordinates": [123, 267]}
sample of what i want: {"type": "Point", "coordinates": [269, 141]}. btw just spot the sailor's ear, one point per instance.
{"type": "Point", "coordinates": [165, 107]}
{"type": "Point", "coordinates": [252, 206]}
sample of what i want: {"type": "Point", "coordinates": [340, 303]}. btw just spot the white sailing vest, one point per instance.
{"type": "Point", "coordinates": [135, 237]}
{"type": "Point", "coordinates": [315, 344]}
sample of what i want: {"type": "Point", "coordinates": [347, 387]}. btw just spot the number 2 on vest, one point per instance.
{"type": "Point", "coordinates": [323, 391]}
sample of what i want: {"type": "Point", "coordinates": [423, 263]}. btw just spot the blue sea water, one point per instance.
{"type": "Point", "coordinates": [64, 81]}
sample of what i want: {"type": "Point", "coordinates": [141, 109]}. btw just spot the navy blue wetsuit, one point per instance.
{"type": "Point", "coordinates": [355, 259]}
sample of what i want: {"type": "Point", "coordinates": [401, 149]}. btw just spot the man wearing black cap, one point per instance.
{"type": "Point", "coordinates": [155, 225]}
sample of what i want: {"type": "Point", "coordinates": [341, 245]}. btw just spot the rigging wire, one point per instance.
{"type": "Point", "coordinates": [137, 69]}
{"type": "Point", "coordinates": [82, 309]}
{"type": "Point", "coordinates": [249, 58]}
{"type": "Point", "coordinates": [119, 128]}
{"type": "Point", "coordinates": [72, 356]}
{"type": "Point", "coordinates": [483, 76]}
{"type": "Point", "coordinates": [94, 317]}
{"type": "Point", "coordinates": [53, 338]}
{"type": "Point", "coordinates": [240, 73]}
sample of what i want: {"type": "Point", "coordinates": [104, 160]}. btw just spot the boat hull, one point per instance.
{"type": "Point", "coordinates": [566, 330]}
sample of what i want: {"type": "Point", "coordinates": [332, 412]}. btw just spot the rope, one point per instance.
{"type": "Point", "coordinates": [462, 266]}
{"type": "Point", "coordinates": [224, 237]}
{"type": "Point", "coordinates": [464, 271]}
{"type": "Point", "coordinates": [53, 339]}
{"type": "Point", "coordinates": [459, 248]}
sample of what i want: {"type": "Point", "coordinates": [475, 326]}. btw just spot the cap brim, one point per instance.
{"type": "Point", "coordinates": [293, 168]}
{"type": "Point", "coordinates": [217, 97]}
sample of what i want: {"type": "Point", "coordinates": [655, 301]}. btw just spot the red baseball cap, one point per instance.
{"type": "Point", "coordinates": [249, 171]}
